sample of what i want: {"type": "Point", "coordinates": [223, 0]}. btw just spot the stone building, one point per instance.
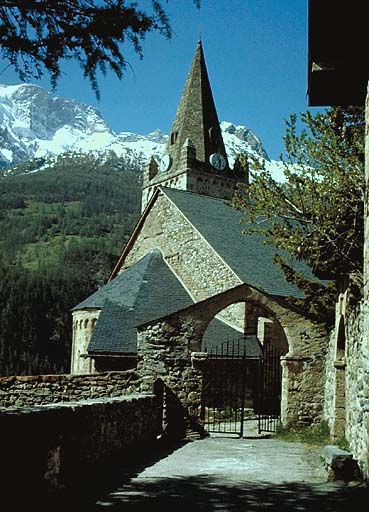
{"type": "Point", "coordinates": [338, 74]}
{"type": "Point", "coordinates": [188, 279]}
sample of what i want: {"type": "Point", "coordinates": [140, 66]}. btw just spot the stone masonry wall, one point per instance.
{"type": "Point", "coordinates": [357, 389]}
{"type": "Point", "coordinates": [165, 349]}
{"type": "Point", "coordinates": [47, 389]}
{"type": "Point", "coordinates": [164, 352]}
{"type": "Point", "coordinates": [329, 387]}
{"type": "Point", "coordinates": [65, 447]}
{"type": "Point", "coordinates": [196, 264]}
{"type": "Point", "coordinates": [83, 325]}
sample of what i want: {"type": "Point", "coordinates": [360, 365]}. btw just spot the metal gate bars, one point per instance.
{"type": "Point", "coordinates": [269, 390]}
{"type": "Point", "coordinates": [237, 387]}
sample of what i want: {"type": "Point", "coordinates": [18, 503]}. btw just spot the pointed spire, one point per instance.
{"type": "Point", "coordinates": [196, 116]}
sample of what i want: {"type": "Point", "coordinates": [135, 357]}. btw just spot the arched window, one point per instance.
{"type": "Point", "coordinates": [212, 134]}
{"type": "Point", "coordinates": [173, 137]}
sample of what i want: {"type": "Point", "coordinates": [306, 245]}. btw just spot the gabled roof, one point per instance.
{"type": "Point", "coordinates": [145, 291]}
{"type": "Point", "coordinates": [146, 285]}
{"type": "Point", "coordinates": [247, 255]}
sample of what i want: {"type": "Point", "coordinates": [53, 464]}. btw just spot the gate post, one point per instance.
{"type": "Point", "coordinates": [164, 352]}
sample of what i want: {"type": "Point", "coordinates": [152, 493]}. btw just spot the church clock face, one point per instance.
{"type": "Point", "coordinates": [217, 161]}
{"type": "Point", "coordinates": [165, 163]}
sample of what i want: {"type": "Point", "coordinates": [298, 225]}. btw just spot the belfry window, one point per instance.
{"type": "Point", "coordinates": [211, 134]}
{"type": "Point", "coordinates": [173, 137]}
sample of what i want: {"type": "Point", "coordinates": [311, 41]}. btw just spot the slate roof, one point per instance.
{"type": "Point", "coordinates": [145, 291]}
{"type": "Point", "coordinates": [149, 285]}
{"type": "Point", "coordinates": [221, 338]}
{"type": "Point", "coordinates": [250, 259]}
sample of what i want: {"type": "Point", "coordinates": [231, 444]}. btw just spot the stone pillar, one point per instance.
{"type": "Point", "coordinates": [301, 401]}
{"type": "Point", "coordinates": [251, 319]}
{"type": "Point", "coordinates": [164, 351]}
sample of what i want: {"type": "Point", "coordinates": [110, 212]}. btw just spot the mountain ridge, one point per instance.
{"type": "Point", "coordinates": [37, 124]}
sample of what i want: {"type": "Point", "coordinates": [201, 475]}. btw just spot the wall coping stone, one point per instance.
{"type": "Point", "coordinates": [340, 464]}
{"type": "Point", "coordinates": [73, 404]}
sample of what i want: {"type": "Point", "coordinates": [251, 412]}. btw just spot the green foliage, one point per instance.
{"type": "Point", "coordinates": [61, 232]}
{"type": "Point", "coordinates": [36, 35]}
{"type": "Point", "coordinates": [316, 434]}
{"type": "Point", "coordinates": [316, 213]}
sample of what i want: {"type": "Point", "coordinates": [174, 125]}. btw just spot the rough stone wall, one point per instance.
{"type": "Point", "coordinates": [164, 351]}
{"type": "Point", "coordinates": [357, 388]}
{"type": "Point", "coordinates": [302, 390]}
{"type": "Point", "coordinates": [199, 268]}
{"type": "Point", "coordinates": [47, 389]}
{"type": "Point", "coordinates": [59, 447]}
{"type": "Point", "coordinates": [83, 325]}
{"type": "Point", "coordinates": [329, 387]}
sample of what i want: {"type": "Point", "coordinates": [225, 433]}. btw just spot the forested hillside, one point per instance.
{"type": "Point", "coordinates": [61, 231]}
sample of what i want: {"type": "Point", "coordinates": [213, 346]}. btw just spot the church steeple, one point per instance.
{"type": "Point", "coordinates": [196, 118]}
{"type": "Point", "coordinates": [195, 158]}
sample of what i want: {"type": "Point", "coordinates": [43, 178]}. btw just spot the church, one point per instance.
{"type": "Point", "coordinates": [189, 279]}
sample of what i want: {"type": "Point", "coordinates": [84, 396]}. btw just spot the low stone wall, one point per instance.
{"type": "Point", "coordinates": [59, 447]}
{"type": "Point", "coordinates": [48, 389]}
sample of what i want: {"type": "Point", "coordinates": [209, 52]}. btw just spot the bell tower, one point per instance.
{"type": "Point", "coordinates": [195, 159]}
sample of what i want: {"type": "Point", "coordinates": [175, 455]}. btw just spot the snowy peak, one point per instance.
{"type": "Point", "coordinates": [244, 134]}
{"type": "Point", "coordinates": [32, 112]}
{"type": "Point", "coordinates": [37, 124]}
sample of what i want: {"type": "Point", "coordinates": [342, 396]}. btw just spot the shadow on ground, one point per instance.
{"type": "Point", "coordinates": [90, 484]}
{"type": "Point", "coordinates": [115, 488]}
{"type": "Point", "coordinates": [207, 493]}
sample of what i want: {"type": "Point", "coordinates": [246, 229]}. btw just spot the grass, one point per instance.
{"type": "Point", "coordinates": [315, 434]}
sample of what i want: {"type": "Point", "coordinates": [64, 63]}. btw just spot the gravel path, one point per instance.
{"type": "Point", "coordinates": [221, 473]}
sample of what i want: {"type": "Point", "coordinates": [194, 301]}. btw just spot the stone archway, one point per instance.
{"type": "Point", "coordinates": [242, 374]}
{"type": "Point", "coordinates": [166, 347]}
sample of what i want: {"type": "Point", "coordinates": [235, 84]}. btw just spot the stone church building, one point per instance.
{"type": "Point", "coordinates": [188, 279]}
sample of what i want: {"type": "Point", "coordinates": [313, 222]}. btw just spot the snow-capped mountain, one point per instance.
{"type": "Point", "coordinates": [37, 124]}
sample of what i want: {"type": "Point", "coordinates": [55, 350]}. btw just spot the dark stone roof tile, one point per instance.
{"type": "Point", "coordinates": [248, 256]}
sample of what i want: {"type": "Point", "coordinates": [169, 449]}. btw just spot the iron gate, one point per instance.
{"type": "Point", "coordinates": [235, 385]}
{"type": "Point", "coordinates": [269, 389]}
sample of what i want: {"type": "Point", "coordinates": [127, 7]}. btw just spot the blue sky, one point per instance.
{"type": "Point", "coordinates": [256, 54]}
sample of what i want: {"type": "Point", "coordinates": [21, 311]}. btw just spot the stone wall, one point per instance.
{"type": "Point", "coordinates": [65, 447]}
{"type": "Point", "coordinates": [164, 351]}
{"type": "Point", "coordinates": [195, 263]}
{"type": "Point", "coordinates": [357, 388]}
{"type": "Point", "coordinates": [46, 389]}
{"type": "Point", "coordinates": [329, 385]}
{"type": "Point", "coordinates": [302, 390]}
{"type": "Point", "coordinates": [165, 348]}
